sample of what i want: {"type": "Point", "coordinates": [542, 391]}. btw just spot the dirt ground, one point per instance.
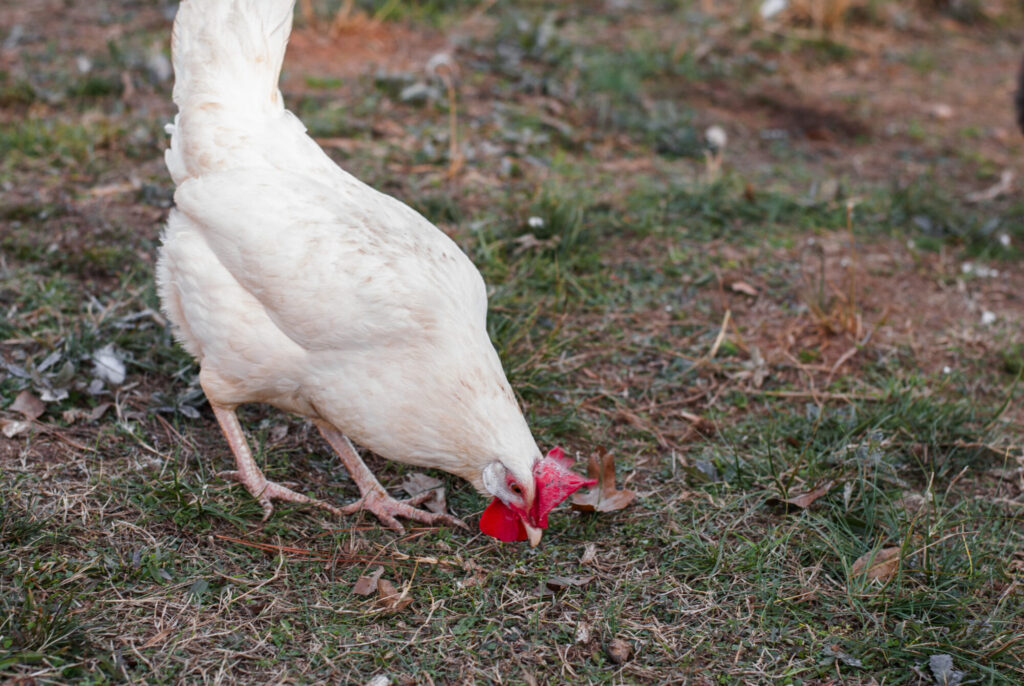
{"type": "Point", "coordinates": [835, 299]}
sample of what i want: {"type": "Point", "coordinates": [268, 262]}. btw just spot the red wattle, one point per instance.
{"type": "Point", "coordinates": [499, 521]}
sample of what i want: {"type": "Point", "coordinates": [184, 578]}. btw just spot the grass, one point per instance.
{"type": "Point", "coordinates": [801, 318]}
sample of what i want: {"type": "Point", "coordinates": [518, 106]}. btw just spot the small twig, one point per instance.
{"type": "Point", "coordinates": [813, 395]}
{"type": "Point", "coordinates": [430, 615]}
{"type": "Point", "coordinates": [307, 555]}
{"type": "Point", "coordinates": [454, 156]}
{"type": "Point", "coordinates": [47, 429]}
{"type": "Point", "coordinates": [840, 362]}
{"type": "Point", "coordinates": [277, 574]}
{"type": "Point", "coordinates": [719, 338]}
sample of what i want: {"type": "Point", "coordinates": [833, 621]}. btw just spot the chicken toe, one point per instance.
{"type": "Point", "coordinates": [374, 498]}
{"type": "Point", "coordinates": [387, 509]}
{"type": "Point", "coordinates": [249, 474]}
{"type": "Point", "coordinates": [267, 491]}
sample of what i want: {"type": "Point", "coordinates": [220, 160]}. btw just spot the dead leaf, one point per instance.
{"type": "Point", "coordinates": [390, 598]}
{"type": "Point", "coordinates": [589, 553]}
{"type": "Point", "coordinates": [474, 579]}
{"type": "Point", "coordinates": [560, 583]}
{"type": "Point", "coordinates": [12, 428]}
{"type": "Point", "coordinates": [477, 575]}
{"type": "Point", "coordinates": [53, 395]}
{"type": "Point", "coordinates": [28, 405]}
{"type": "Point", "coordinates": [108, 365]}
{"type": "Point", "coordinates": [877, 565]}
{"type": "Point", "coordinates": [744, 287]}
{"type": "Point", "coordinates": [806, 499]}
{"type": "Point", "coordinates": [942, 670]}
{"type": "Point", "coordinates": [604, 497]}
{"type": "Point", "coordinates": [530, 242]}
{"type": "Point", "coordinates": [367, 584]}
{"type": "Point", "coordinates": [619, 650]}
{"type": "Point", "coordinates": [755, 369]}
{"type": "Point", "coordinates": [418, 483]}
{"type": "Point", "coordinates": [77, 413]}
{"type": "Point", "coordinates": [913, 502]}
{"type": "Point", "coordinates": [73, 415]}
{"type": "Point", "coordinates": [582, 632]}
{"type": "Point", "coordinates": [278, 432]}
{"type": "Point", "coordinates": [834, 651]}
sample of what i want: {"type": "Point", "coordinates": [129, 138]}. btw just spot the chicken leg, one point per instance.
{"type": "Point", "coordinates": [374, 497]}
{"type": "Point", "coordinates": [248, 473]}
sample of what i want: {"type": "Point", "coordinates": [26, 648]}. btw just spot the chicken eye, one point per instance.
{"type": "Point", "coordinates": [517, 489]}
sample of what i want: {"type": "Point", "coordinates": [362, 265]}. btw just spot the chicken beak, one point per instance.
{"type": "Point", "coordinates": [533, 533]}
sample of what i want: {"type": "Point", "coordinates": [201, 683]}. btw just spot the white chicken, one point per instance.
{"type": "Point", "coordinates": [295, 284]}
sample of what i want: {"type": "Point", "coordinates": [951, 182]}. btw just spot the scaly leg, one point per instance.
{"type": "Point", "coordinates": [250, 476]}
{"type": "Point", "coordinates": [374, 497]}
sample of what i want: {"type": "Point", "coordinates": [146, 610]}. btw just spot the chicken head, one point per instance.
{"type": "Point", "coordinates": [519, 511]}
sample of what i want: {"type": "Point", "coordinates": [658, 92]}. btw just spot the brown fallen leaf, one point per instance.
{"type": "Point", "coordinates": [619, 650]}
{"type": "Point", "coordinates": [73, 415]}
{"type": "Point", "coordinates": [806, 499]}
{"type": "Point", "coordinates": [477, 575]}
{"type": "Point", "coordinates": [744, 287]}
{"type": "Point", "coordinates": [367, 584]}
{"type": "Point", "coordinates": [554, 584]}
{"type": "Point", "coordinates": [880, 564]}
{"type": "Point", "coordinates": [417, 483]}
{"type": "Point", "coordinates": [102, 408]}
{"type": "Point", "coordinates": [79, 413]}
{"type": "Point", "coordinates": [390, 598]}
{"type": "Point", "coordinates": [476, 578]}
{"type": "Point", "coordinates": [604, 497]}
{"type": "Point", "coordinates": [28, 405]}
{"type": "Point", "coordinates": [13, 427]}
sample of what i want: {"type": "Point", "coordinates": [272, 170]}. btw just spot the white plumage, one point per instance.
{"type": "Point", "coordinates": [293, 283]}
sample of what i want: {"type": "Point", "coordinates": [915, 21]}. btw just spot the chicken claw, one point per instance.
{"type": "Point", "coordinates": [374, 497]}
{"type": "Point", "coordinates": [267, 491]}
{"type": "Point", "coordinates": [248, 473]}
{"type": "Point", "coordinates": [387, 508]}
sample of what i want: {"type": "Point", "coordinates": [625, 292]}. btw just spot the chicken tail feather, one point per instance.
{"type": "Point", "coordinates": [227, 57]}
{"type": "Point", "coordinates": [229, 52]}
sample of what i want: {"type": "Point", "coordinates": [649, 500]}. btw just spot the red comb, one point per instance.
{"type": "Point", "coordinates": [555, 482]}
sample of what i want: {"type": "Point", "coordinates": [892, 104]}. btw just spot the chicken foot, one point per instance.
{"type": "Point", "coordinates": [248, 473]}
{"type": "Point", "coordinates": [374, 497]}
